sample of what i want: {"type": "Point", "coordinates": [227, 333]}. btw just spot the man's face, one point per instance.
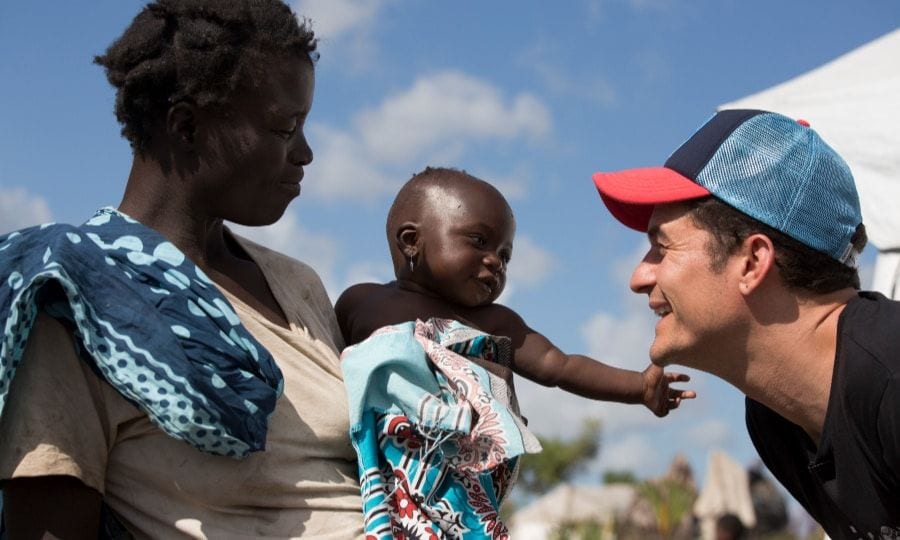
{"type": "Point", "coordinates": [695, 308]}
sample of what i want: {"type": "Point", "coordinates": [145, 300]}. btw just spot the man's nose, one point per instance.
{"type": "Point", "coordinates": [643, 278]}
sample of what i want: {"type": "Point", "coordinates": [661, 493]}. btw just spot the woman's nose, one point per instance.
{"type": "Point", "coordinates": [301, 154]}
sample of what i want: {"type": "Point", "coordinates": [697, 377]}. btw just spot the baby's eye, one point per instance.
{"type": "Point", "coordinates": [478, 240]}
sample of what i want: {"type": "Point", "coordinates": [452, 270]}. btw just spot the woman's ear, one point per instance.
{"type": "Point", "coordinates": [181, 124]}
{"type": "Point", "coordinates": [407, 239]}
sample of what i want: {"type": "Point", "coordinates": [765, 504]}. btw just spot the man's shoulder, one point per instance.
{"type": "Point", "coordinates": [870, 333]}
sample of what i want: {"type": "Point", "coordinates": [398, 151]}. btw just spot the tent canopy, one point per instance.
{"type": "Point", "coordinates": [854, 103]}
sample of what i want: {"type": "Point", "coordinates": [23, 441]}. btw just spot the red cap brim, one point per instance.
{"type": "Point", "coordinates": [630, 195]}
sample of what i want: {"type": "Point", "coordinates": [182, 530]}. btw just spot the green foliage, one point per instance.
{"type": "Point", "coordinates": [560, 459]}
{"type": "Point", "coordinates": [587, 530]}
{"type": "Point", "coordinates": [671, 502]}
{"type": "Point", "coordinates": [619, 477]}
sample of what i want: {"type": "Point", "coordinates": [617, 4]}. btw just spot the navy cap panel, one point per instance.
{"type": "Point", "coordinates": [695, 153]}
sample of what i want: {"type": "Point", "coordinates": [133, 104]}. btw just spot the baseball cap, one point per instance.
{"type": "Point", "coordinates": [774, 169]}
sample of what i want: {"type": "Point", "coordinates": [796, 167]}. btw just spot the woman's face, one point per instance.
{"type": "Point", "coordinates": [256, 151]}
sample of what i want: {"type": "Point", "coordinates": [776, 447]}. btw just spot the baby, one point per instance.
{"type": "Point", "coordinates": [451, 239]}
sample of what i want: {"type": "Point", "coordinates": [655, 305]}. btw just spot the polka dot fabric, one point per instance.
{"type": "Point", "coordinates": [148, 320]}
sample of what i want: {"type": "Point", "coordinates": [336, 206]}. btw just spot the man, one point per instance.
{"type": "Point", "coordinates": [754, 229]}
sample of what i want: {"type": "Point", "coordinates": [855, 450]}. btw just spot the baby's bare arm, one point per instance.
{"type": "Point", "coordinates": [541, 361]}
{"type": "Point", "coordinates": [538, 359]}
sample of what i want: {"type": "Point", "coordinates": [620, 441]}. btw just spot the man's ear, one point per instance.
{"type": "Point", "coordinates": [181, 124]}
{"type": "Point", "coordinates": [407, 239]}
{"type": "Point", "coordinates": [757, 262]}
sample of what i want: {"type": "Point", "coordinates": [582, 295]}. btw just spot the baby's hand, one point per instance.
{"type": "Point", "coordinates": [659, 397]}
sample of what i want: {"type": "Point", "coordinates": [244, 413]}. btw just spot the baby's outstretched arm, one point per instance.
{"type": "Point", "coordinates": [536, 358]}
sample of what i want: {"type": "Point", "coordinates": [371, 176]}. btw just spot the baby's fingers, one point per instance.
{"type": "Point", "coordinates": [677, 377]}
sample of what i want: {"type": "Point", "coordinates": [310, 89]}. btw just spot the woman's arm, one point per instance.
{"type": "Point", "coordinates": [50, 507]}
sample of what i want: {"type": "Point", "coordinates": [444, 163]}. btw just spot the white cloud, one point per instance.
{"type": "Point", "coordinates": [544, 58]}
{"type": "Point", "coordinates": [531, 264]}
{"type": "Point", "coordinates": [345, 31]}
{"type": "Point", "coordinates": [368, 272]}
{"type": "Point", "coordinates": [594, 89]}
{"type": "Point", "coordinates": [596, 9]}
{"type": "Point", "coordinates": [513, 185]}
{"type": "Point", "coordinates": [434, 121]}
{"type": "Point", "coordinates": [623, 341]}
{"type": "Point", "coordinates": [448, 106]}
{"type": "Point", "coordinates": [20, 209]}
{"type": "Point", "coordinates": [287, 236]}
{"type": "Point", "coordinates": [343, 168]}
{"type": "Point", "coordinates": [632, 453]}
{"type": "Point", "coordinates": [710, 433]}
{"type": "Point", "coordinates": [334, 18]}
{"type": "Point", "coordinates": [651, 5]}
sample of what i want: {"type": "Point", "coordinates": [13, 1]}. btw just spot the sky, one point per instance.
{"type": "Point", "coordinates": [532, 96]}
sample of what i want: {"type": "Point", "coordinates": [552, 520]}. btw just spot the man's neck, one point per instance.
{"type": "Point", "coordinates": [790, 365]}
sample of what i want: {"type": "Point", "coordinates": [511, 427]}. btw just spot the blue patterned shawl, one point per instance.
{"type": "Point", "coordinates": [148, 320]}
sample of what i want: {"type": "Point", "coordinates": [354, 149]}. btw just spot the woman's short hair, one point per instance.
{"type": "Point", "coordinates": [201, 50]}
{"type": "Point", "coordinates": [800, 266]}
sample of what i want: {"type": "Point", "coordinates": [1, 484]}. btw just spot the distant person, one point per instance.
{"type": "Point", "coordinates": [730, 527]}
{"type": "Point", "coordinates": [450, 237]}
{"type": "Point", "coordinates": [755, 230]}
{"type": "Point", "coordinates": [162, 376]}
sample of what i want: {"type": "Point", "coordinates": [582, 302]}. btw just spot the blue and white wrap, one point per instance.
{"type": "Point", "coordinates": [148, 321]}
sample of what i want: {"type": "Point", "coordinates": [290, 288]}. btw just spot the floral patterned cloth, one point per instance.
{"type": "Point", "coordinates": [437, 431]}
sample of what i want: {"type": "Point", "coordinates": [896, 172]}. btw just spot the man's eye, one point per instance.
{"type": "Point", "coordinates": [478, 240]}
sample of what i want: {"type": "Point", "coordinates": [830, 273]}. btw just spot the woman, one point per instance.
{"type": "Point", "coordinates": [166, 346]}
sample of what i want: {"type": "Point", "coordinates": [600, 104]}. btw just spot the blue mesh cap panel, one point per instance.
{"type": "Point", "coordinates": [781, 173]}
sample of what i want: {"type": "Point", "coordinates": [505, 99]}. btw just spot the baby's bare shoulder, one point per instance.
{"type": "Point", "coordinates": [499, 320]}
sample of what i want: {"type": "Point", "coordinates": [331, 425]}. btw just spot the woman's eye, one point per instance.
{"type": "Point", "coordinates": [286, 133]}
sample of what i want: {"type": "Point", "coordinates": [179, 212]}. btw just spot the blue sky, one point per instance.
{"type": "Point", "coordinates": [533, 96]}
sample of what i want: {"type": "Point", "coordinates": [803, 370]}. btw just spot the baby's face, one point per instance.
{"type": "Point", "coordinates": [467, 242]}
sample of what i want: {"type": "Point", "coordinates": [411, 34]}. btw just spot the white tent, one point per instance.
{"type": "Point", "coordinates": [854, 104]}
{"type": "Point", "coordinates": [570, 503]}
{"type": "Point", "coordinates": [726, 490]}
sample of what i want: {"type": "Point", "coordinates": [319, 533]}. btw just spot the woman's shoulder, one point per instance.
{"type": "Point", "coordinates": [277, 261]}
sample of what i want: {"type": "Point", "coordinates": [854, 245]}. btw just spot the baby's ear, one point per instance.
{"type": "Point", "coordinates": [408, 238]}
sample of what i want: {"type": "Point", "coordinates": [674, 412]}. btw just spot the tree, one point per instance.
{"type": "Point", "coordinates": [560, 459]}
{"type": "Point", "coordinates": [671, 501]}
{"type": "Point", "coordinates": [619, 477]}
